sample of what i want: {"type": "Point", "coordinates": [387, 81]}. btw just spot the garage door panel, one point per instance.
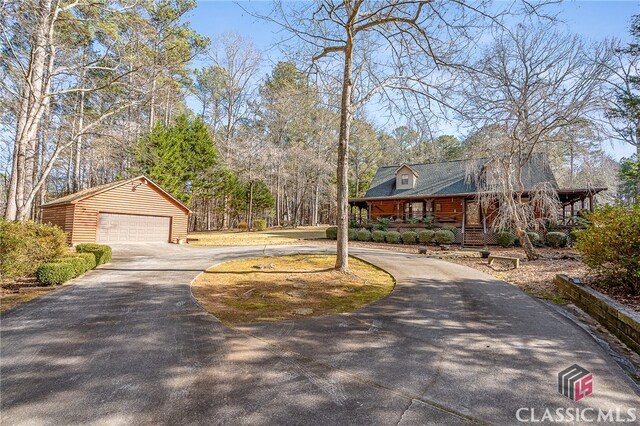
{"type": "Point", "coordinates": [126, 228]}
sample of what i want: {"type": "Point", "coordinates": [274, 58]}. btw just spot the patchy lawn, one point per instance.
{"type": "Point", "coordinates": [269, 237]}
{"type": "Point", "coordinates": [287, 287]}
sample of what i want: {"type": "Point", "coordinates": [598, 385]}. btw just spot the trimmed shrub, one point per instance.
{"type": "Point", "coordinates": [409, 237]}
{"type": "Point", "coordinates": [26, 245]}
{"type": "Point", "coordinates": [610, 245]}
{"type": "Point", "coordinates": [77, 264]}
{"type": "Point", "coordinates": [243, 226]}
{"type": "Point", "coordinates": [444, 236]}
{"type": "Point", "coordinates": [353, 234]}
{"type": "Point", "coordinates": [260, 224]}
{"type": "Point", "coordinates": [534, 238]}
{"type": "Point", "coordinates": [101, 252]}
{"type": "Point", "coordinates": [393, 237]}
{"type": "Point", "coordinates": [332, 232]}
{"type": "Point", "coordinates": [451, 228]}
{"type": "Point", "coordinates": [556, 239]}
{"type": "Point", "coordinates": [54, 273]}
{"type": "Point", "coordinates": [379, 236]}
{"type": "Point", "coordinates": [364, 235]}
{"type": "Point", "coordinates": [505, 238]}
{"type": "Point", "coordinates": [89, 260]}
{"type": "Point", "coordinates": [426, 236]}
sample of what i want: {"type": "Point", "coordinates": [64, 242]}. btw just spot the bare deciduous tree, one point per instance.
{"type": "Point", "coordinates": [378, 49]}
{"type": "Point", "coordinates": [531, 85]}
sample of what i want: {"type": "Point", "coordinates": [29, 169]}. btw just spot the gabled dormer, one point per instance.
{"type": "Point", "coordinates": [405, 177]}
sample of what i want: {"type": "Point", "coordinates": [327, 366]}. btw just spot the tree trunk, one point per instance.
{"type": "Point", "coordinates": [76, 166]}
{"type": "Point", "coordinates": [342, 249]}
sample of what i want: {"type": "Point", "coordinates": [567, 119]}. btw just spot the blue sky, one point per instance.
{"type": "Point", "coordinates": [595, 20]}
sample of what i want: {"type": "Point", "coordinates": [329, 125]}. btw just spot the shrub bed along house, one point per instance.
{"type": "Point", "coordinates": [444, 236]}
{"type": "Point", "coordinates": [393, 237]}
{"type": "Point", "coordinates": [379, 236]}
{"type": "Point", "coordinates": [505, 238]}
{"type": "Point", "coordinates": [26, 245]}
{"type": "Point", "coordinates": [556, 239]}
{"type": "Point", "coordinates": [332, 233]}
{"type": "Point", "coordinates": [409, 237]}
{"type": "Point", "coordinates": [534, 238]}
{"type": "Point", "coordinates": [426, 236]}
{"type": "Point", "coordinates": [364, 235]}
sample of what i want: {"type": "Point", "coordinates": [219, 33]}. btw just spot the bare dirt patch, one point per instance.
{"type": "Point", "coordinates": [287, 287]}
{"type": "Point", "coordinates": [20, 291]}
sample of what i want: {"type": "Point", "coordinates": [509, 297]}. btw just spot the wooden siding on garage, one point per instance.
{"type": "Point", "coordinates": [130, 198]}
{"type": "Point", "coordinates": [61, 216]}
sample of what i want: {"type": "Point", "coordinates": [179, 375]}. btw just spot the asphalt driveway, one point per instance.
{"type": "Point", "coordinates": [127, 344]}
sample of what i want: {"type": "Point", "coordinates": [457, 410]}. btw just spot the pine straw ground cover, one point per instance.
{"type": "Point", "coordinates": [287, 287]}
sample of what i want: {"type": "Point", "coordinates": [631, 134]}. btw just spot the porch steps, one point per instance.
{"type": "Point", "coordinates": [473, 238]}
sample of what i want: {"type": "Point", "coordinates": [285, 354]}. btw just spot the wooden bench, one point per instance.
{"type": "Point", "coordinates": [514, 260]}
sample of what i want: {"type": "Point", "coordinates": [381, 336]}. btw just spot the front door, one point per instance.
{"type": "Point", "coordinates": [472, 214]}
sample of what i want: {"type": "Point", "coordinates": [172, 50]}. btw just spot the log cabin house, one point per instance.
{"type": "Point", "coordinates": [408, 193]}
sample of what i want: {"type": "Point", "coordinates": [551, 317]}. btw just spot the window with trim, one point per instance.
{"type": "Point", "coordinates": [404, 180]}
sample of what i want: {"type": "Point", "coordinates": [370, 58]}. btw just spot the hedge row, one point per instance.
{"type": "Point", "coordinates": [442, 236]}
{"type": "Point", "coordinates": [552, 239]}
{"type": "Point", "coordinates": [69, 266]}
{"type": "Point", "coordinates": [446, 235]}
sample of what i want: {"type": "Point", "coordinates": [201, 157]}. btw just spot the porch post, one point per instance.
{"type": "Point", "coordinates": [369, 210]}
{"type": "Point", "coordinates": [590, 203]}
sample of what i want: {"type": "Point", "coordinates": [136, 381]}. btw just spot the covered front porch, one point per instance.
{"type": "Point", "coordinates": [460, 211]}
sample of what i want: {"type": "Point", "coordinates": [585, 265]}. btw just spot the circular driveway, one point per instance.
{"type": "Point", "coordinates": [127, 344]}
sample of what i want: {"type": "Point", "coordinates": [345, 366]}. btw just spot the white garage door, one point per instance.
{"type": "Point", "coordinates": [127, 228]}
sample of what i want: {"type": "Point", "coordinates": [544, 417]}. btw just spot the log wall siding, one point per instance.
{"type": "Point", "coordinates": [61, 216]}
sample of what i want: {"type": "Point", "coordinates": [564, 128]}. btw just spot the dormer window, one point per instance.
{"type": "Point", "coordinates": [405, 180]}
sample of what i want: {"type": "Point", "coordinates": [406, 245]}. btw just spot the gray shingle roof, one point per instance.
{"type": "Point", "coordinates": [448, 178]}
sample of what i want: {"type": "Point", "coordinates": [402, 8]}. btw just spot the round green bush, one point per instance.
{"type": "Point", "coordinates": [409, 237]}
{"type": "Point", "coordinates": [556, 239]}
{"type": "Point", "coordinates": [54, 273]}
{"type": "Point", "coordinates": [451, 228]}
{"type": "Point", "coordinates": [393, 237]}
{"type": "Point", "coordinates": [505, 238]}
{"type": "Point", "coordinates": [26, 245]}
{"type": "Point", "coordinates": [332, 232]}
{"type": "Point", "coordinates": [426, 236]}
{"type": "Point", "coordinates": [353, 234]}
{"type": "Point", "coordinates": [260, 224]}
{"type": "Point", "coordinates": [364, 235]}
{"type": "Point", "coordinates": [379, 236]}
{"type": "Point", "coordinates": [444, 236]}
{"type": "Point", "coordinates": [534, 238]}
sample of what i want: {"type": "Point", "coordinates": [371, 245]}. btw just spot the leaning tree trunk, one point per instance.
{"type": "Point", "coordinates": [342, 249]}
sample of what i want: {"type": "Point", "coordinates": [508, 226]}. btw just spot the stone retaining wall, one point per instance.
{"type": "Point", "coordinates": [618, 319]}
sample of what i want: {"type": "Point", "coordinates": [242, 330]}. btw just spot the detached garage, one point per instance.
{"type": "Point", "coordinates": [127, 211]}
